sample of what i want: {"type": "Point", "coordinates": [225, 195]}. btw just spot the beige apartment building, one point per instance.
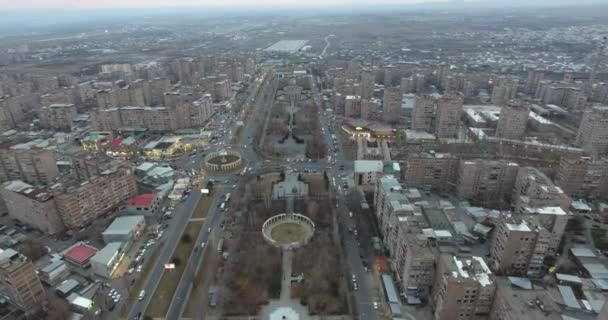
{"type": "Point", "coordinates": [432, 171]}
{"type": "Point", "coordinates": [592, 133]}
{"type": "Point", "coordinates": [413, 260]}
{"type": "Point", "coordinates": [533, 189]}
{"type": "Point", "coordinates": [58, 116]}
{"type": "Point", "coordinates": [464, 288]}
{"type": "Point", "coordinates": [37, 166]}
{"type": "Point", "coordinates": [449, 112]}
{"type": "Point", "coordinates": [33, 206]}
{"type": "Point", "coordinates": [487, 182]}
{"type": "Point", "coordinates": [19, 282]}
{"type": "Point", "coordinates": [504, 90]}
{"type": "Point", "coordinates": [518, 248]}
{"type": "Point", "coordinates": [535, 76]}
{"type": "Point", "coordinates": [82, 203]}
{"type": "Point", "coordinates": [513, 120]}
{"type": "Point", "coordinates": [423, 113]}
{"type": "Point", "coordinates": [583, 177]}
{"type": "Point", "coordinates": [391, 106]}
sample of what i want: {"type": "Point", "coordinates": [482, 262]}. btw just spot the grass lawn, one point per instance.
{"type": "Point", "coordinates": [170, 279]}
{"type": "Point", "coordinates": [316, 183]}
{"type": "Point", "coordinates": [198, 296]}
{"type": "Point", "coordinates": [139, 281]}
{"type": "Point", "coordinates": [202, 207]}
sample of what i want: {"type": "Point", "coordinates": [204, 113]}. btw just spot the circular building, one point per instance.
{"type": "Point", "coordinates": [223, 160]}
{"type": "Point", "coordinates": [288, 231]}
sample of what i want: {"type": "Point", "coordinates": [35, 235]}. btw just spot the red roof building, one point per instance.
{"type": "Point", "coordinates": [146, 204]}
{"type": "Point", "coordinates": [80, 254]}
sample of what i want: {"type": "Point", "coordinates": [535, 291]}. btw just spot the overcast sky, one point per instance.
{"type": "Point", "coordinates": [96, 4]}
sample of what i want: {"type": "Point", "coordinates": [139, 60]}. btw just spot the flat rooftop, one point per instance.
{"type": "Point", "coordinates": [287, 46]}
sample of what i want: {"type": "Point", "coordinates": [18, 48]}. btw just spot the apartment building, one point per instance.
{"type": "Point", "coordinates": [37, 166]}
{"type": "Point", "coordinates": [583, 177]}
{"type": "Point", "coordinates": [413, 260]}
{"type": "Point", "coordinates": [592, 133]}
{"type": "Point", "coordinates": [19, 283]}
{"type": "Point", "coordinates": [368, 82]}
{"type": "Point", "coordinates": [423, 113]}
{"type": "Point", "coordinates": [352, 106]}
{"type": "Point", "coordinates": [370, 109]}
{"type": "Point", "coordinates": [515, 302]}
{"type": "Point", "coordinates": [486, 182]}
{"type": "Point", "coordinates": [535, 76]}
{"type": "Point", "coordinates": [82, 203]}
{"type": "Point", "coordinates": [518, 247]}
{"type": "Point", "coordinates": [58, 116]}
{"type": "Point", "coordinates": [391, 106]}
{"type": "Point", "coordinates": [533, 189]}
{"type": "Point", "coordinates": [449, 112]}
{"type": "Point", "coordinates": [367, 171]}
{"type": "Point", "coordinates": [157, 119]}
{"type": "Point", "coordinates": [463, 289]}
{"type": "Point", "coordinates": [432, 171]}
{"type": "Point", "coordinates": [505, 89]}
{"type": "Point", "coordinates": [31, 205]}
{"type": "Point", "coordinates": [513, 120]}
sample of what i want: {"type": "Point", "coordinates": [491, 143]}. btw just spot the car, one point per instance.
{"type": "Point", "coordinates": [355, 286]}
{"type": "Point", "coordinates": [354, 277]}
{"type": "Point", "coordinates": [376, 305]}
{"type": "Point", "coordinates": [139, 268]}
{"type": "Point", "coordinates": [141, 296]}
{"type": "Point", "coordinates": [203, 244]}
{"type": "Point", "coordinates": [131, 270]}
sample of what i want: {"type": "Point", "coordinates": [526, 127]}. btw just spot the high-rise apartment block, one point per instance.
{"type": "Point", "coordinates": [583, 177]}
{"type": "Point", "coordinates": [592, 133]}
{"type": "Point", "coordinates": [449, 112]}
{"type": "Point", "coordinates": [31, 205]}
{"type": "Point", "coordinates": [352, 106]}
{"type": "Point", "coordinates": [534, 77]}
{"type": "Point", "coordinates": [19, 283]}
{"type": "Point", "coordinates": [80, 204]}
{"type": "Point", "coordinates": [487, 182]}
{"type": "Point", "coordinates": [505, 89]}
{"type": "Point", "coordinates": [58, 116]}
{"type": "Point", "coordinates": [412, 256]}
{"type": "Point", "coordinates": [76, 203]}
{"type": "Point", "coordinates": [513, 120]}
{"type": "Point", "coordinates": [391, 105]}
{"type": "Point", "coordinates": [439, 114]}
{"type": "Point", "coordinates": [368, 81]}
{"type": "Point", "coordinates": [423, 113]}
{"type": "Point", "coordinates": [519, 247]}
{"type": "Point", "coordinates": [464, 288]}
{"type": "Point", "coordinates": [413, 260]}
{"type": "Point", "coordinates": [443, 70]}
{"type": "Point", "coordinates": [37, 166]}
{"type": "Point", "coordinates": [533, 189]}
{"type": "Point", "coordinates": [431, 171]}
{"type": "Point", "coordinates": [370, 109]}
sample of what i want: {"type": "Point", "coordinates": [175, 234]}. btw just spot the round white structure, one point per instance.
{"type": "Point", "coordinates": [223, 160]}
{"type": "Point", "coordinates": [305, 226]}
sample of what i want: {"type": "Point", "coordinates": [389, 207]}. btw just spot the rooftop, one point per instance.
{"type": "Point", "coordinates": [108, 253]}
{"type": "Point", "coordinates": [287, 46]}
{"type": "Point", "coordinates": [123, 225]}
{"type": "Point", "coordinates": [80, 253]}
{"type": "Point", "coordinates": [368, 166]}
{"type": "Point", "coordinates": [473, 268]}
{"type": "Point", "coordinates": [38, 194]}
{"type": "Point", "coordinates": [142, 200]}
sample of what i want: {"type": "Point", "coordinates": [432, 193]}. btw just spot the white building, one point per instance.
{"type": "Point", "coordinates": [106, 261]}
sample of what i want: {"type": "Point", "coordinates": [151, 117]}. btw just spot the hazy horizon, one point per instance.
{"type": "Point", "coordinates": [71, 5]}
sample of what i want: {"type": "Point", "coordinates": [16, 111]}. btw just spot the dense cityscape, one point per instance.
{"type": "Point", "coordinates": [442, 161]}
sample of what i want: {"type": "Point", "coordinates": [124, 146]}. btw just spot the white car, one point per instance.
{"type": "Point", "coordinates": [203, 245]}
{"type": "Point", "coordinates": [376, 305]}
{"type": "Point", "coordinates": [139, 268]}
